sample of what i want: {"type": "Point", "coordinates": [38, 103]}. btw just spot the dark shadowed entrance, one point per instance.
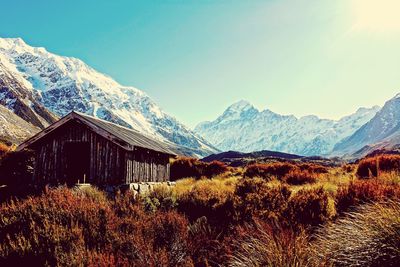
{"type": "Point", "coordinates": [77, 156]}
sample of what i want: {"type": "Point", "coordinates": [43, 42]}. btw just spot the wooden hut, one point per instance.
{"type": "Point", "coordinates": [84, 149]}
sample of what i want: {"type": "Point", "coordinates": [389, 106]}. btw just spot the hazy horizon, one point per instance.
{"type": "Point", "coordinates": [195, 58]}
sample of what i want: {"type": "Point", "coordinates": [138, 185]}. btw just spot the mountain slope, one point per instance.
{"type": "Point", "coordinates": [383, 130]}
{"type": "Point", "coordinates": [63, 84]}
{"type": "Point", "coordinates": [244, 128]}
{"type": "Point", "coordinates": [18, 96]}
{"type": "Point", "coordinates": [14, 129]}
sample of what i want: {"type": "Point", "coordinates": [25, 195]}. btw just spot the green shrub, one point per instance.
{"type": "Point", "coordinates": [92, 193]}
{"type": "Point", "coordinates": [161, 197]}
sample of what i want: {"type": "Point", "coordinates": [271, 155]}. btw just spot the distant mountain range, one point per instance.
{"type": "Point", "coordinates": [39, 86]}
{"type": "Point", "coordinates": [244, 128]}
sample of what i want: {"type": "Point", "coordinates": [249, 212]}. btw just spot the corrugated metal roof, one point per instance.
{"type": "Point", "coordinates": [130, 136]}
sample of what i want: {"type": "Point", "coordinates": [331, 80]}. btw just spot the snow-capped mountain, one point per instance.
{"type": "Point", "coordinates": [244, 128]}
{"type": "Point", "coordinates": [62, 84]}
{"type": "Point", "coordinates": [382, 131]}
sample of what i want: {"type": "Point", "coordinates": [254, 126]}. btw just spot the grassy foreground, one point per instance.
{"type": "Point", "coordinates": [274, 214]}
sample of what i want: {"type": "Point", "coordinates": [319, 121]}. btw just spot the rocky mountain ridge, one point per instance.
{"type": "Point", "coordinates": [244, 128]}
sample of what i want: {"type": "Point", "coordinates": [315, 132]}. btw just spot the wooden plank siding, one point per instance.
{"type": "Point", "coordinates": [146, 166]}
{"type": "Point", "coordinates": [109, 163]}
{"type": "Point", "coordinates": [106, 164]}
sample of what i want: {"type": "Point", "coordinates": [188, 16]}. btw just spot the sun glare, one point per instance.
{"type": "Point", "coordinates": [376, 15]}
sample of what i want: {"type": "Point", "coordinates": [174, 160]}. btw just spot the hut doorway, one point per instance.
{"type": "Point", "coordinates": [77, 166]}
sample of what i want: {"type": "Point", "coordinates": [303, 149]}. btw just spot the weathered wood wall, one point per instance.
{"type": "Point", "coordinates": [109, 163]}
{"type": "Point", "coordinates": [146, 166]}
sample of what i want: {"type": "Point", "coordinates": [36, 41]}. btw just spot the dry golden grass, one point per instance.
{"type": "Point", "coordinates": [330, 181]}
{"type": "Point", "coordinates": [266, 245]}
{"type": "Point", "coordinates": [368, 236]}
{"type": "Point", "coordinates": [218, 183]}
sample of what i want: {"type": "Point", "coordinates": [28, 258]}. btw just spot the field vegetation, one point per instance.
{"type": "Point", "coordinates": [263, 214]}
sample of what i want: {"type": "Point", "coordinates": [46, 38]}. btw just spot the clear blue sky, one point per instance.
{"type": "Point", "coordinates": [197, 57]}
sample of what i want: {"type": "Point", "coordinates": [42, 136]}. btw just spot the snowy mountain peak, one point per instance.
{"type": "Point", "coordinates": [241, 109]}
{"type": "Point", "coordinates": [248, 129]}
{"type": "Point", "coordinates": [240, 106]}
{"type": "Point", "coordinates": [18, 45]}
{"type": "Point", "coordinates": [63, 84]}
{"type": "Point", "coordinates": [11, 42]}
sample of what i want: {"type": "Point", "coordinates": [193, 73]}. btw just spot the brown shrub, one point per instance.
{"type": "Point", "coordinates": [313, 168]}
{"type": "Point", "coordinates": [104, 259]}
{"type": "Point", "coordinates": [254, 197]}
{"type": "Point", "coordinates": [190, 167]}
{"type": "Point", "coordinates": [154, 239]}
{"type": "Point", "coordinates": [363, 191]}
{"type": "Point", "coordinates": [64, 227]}
{"type": "Point", "coordinates": [214, 168]}
{"type": "Point", "coordinates": [297, 177]}
{"type": "Point", "coordinates": [53, 229]}
{"type": "Point", "coordinates": [207, 245]}
{"type": "Point", "coordinates": [310, 207]}
{"type": "Point", "coordinates": [185, 167]}
{"type": "Point", "coordinates": [370, 167]}
{"type": "Point", "coordinates": [267, 171]}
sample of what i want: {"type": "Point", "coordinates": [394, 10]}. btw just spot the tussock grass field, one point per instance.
{"type": "Point", "coordinates": [263, 214]}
